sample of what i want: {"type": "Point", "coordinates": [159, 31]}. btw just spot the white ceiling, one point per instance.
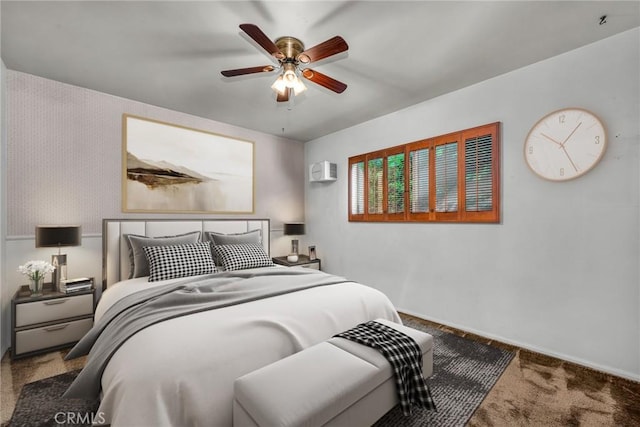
{"type": "Point", "coordinates": [170, 54]}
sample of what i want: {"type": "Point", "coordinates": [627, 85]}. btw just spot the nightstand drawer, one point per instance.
{"type": "Point", "coordinates": [313, 265]}
{"type": "Point", "coordinates": [53, 309]}
{"type": "Point", "coordinates": [51, 336]}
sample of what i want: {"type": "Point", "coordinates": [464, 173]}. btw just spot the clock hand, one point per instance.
{"type": "Point", "coordinates": [550, 139]}
{"type": "Point", "coordinates": [569, 157]}
{"type": "Point", "coordinates": [570, 135]}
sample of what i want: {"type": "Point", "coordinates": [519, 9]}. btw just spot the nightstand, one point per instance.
{"type": "Point", "coordinates": [50, 321]}
{"type": "Point", "coordinates": [303, 261]}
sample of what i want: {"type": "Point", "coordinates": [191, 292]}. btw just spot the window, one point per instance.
{"type": "Point", "coordinates": [375, 180]}
{"type": "Point", "coordinates": [395, 183]}
{"type": "Point", "coordinates": [419, 180]}
{"type": "Point", "coordinates": [356, 179]}
{"type": "Point", "coordinates": [452, 177]}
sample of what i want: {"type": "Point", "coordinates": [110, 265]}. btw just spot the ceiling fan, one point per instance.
{"type": "Point", "coordinates": [292, 57]}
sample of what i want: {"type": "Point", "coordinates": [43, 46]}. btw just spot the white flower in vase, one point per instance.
{"type": "Point", "coordinates": [36, 270]}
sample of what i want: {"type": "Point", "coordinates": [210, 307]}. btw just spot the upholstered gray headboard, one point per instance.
{"type": "Point", "coordinates": [115, 254]}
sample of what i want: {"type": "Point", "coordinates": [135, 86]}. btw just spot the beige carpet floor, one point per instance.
{"type": "Point", "coordinates": [534, 390]}
{"type": "Point", "coordinates": [538, 390]}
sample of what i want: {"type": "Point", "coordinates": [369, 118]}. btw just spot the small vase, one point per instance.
{"type": "Point", "coordinates": [35, 285]}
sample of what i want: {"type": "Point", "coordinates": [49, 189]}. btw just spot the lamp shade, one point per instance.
{"type": "Point", "coordinates": [54, 236]}
{"type": "Point", "coordinates": [293, 229]}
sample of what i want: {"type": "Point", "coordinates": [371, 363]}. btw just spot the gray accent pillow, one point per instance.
{"type": "Point", "coordinates": [139, 266]}
{"type": "Point", "coordinates": [216, 239]}
{"type": "Point", "coordinates": [172, 262]}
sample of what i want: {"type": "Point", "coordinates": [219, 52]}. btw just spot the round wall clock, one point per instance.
{"type": "Point", "coordinates": [565, 144]}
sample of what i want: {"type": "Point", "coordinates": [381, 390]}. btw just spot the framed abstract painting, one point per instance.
{"type": "Point", "coordinates": [172, 168]}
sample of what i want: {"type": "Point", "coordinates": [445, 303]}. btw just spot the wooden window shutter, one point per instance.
{"type": "Point", "coordinates": [481, 190]}
{"type": "Point", "coordinates": [356, 188]}
{"type": "Point", "coordinates": [395, 165]}
{"type": "Point", "coordinates": [446, 177]}
{"type": "Point", "coordinates": [419, 180]}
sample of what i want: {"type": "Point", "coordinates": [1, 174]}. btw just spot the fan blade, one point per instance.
{"type": "Point", "coordinates": [324, 80]}
{"type": "Point", "coordinates": [259, 37]}
{"type": "Point", "coordinates": [250, 70]}
{"type": "Point", "coordinates": [283, 97]}
{"type": "Point", "coordinates": [323, 50]}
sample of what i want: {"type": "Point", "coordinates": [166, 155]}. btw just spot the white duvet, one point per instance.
{"type": "Point", "coordinates": [181, 372]}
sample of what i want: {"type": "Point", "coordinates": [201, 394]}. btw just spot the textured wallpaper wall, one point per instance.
{"type": "Point", "coordinates": [65, 166]}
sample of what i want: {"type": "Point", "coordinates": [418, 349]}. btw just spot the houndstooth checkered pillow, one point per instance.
{"type": "Point", "coordinates": [170, 262]}
{"type": "Point", "coordinates": [240, 257]}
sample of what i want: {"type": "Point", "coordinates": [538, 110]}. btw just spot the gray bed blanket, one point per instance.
{"type": "Point", "coordinates": [150, 306]}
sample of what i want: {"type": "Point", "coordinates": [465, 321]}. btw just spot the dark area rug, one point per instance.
{"type": "Point", "coordinates": [41, 404]}
{"type": "Point", "coordinates": [463, 373]}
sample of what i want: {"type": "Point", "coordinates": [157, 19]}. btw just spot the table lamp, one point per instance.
{"type": "Point", "coordinates": [293, 229]}
{"type": "Point", "coordinates": [52, 236]}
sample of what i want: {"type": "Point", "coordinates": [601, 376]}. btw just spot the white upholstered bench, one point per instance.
{"type": "Point", "coordinates": [335, 383]}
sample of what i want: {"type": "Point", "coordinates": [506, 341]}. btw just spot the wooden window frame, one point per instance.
{"type": "Point", "coordinates": [461, 215]}
{"type": "Point", "coordinates": [353, 161]}
{"type": "Point", "coordinates": [368, 157]}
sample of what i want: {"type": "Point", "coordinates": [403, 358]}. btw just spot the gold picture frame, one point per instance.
{"type": "Point", "coordinates": [168, 168]}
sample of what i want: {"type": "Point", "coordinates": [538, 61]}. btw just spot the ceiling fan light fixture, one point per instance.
{"type": "Point", "coordinates": [298, 87]}
{"type": "Point", "coordinates": [290, 54]}
{"type": "Point", "coordinates": [289, 74]}
{"type": "Point", "coordinates": [289, 80]}
{"type": "Point", "coordinates": [279, 85]}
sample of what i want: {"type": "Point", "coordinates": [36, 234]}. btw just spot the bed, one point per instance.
{"type": "Point", "coordinates": [181, 371]}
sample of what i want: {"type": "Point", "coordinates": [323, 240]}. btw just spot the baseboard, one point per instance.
{"type": "Point", "coordinates": [605, 369]}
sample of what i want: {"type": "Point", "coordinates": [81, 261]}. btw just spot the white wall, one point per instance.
{"type": "Point", "coordinates": [560, 273]}
{"type": "Point", "coordinates": [5, 298]}
{"type": "Point", "coordinates": [64, 166]}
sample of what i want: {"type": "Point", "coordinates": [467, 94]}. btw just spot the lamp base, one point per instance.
{"type": "Point", "coordinates": [292, 258]}
{"type": "Point", "coordinates": [60, 263]}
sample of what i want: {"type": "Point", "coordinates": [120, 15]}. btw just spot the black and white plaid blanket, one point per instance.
{"type": "Point", "coordinates": [405, 357]}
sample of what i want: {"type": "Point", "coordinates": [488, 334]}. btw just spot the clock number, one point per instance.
{"type": "Point", "coordinates": [561, 171]}
{"type": "Point", "coordinates": [561, 118]}
{"type": "Point", "coordinates": [597, 139]}
{"type": "Point", "coordinates": [530, 150]}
